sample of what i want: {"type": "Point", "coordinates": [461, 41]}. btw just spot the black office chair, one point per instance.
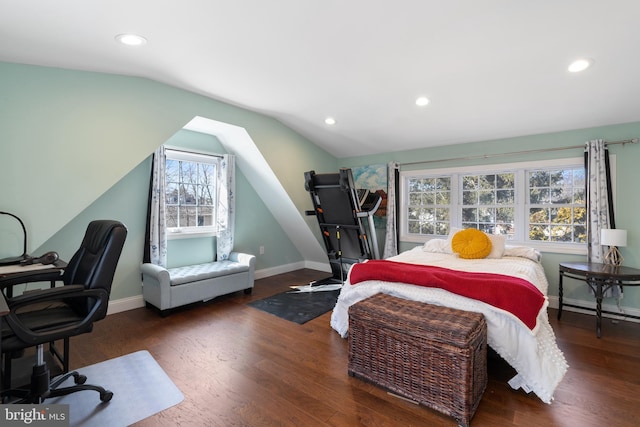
{"type": "Point", "coordinates": [43, 316]}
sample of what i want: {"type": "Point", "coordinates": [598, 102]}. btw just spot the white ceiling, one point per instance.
{"type": "Point", "coordinates": [491, 68]}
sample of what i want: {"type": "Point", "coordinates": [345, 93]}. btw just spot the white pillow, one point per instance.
{"type": "Point", "coordinates": [497, 245]}
{"type": "Point", "coordinates": [498, 242]}
{"type": "Point", "coordinates": [437, 246]}
{"type": "Point", "coordinates": [452, 233]}
{"type": "Point", "coordinates": [523, 252]}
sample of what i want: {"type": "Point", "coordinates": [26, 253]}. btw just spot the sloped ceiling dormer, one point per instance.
{"type": "Point", "coordinates": [69, 136]}
{"type": "Point", "coordinates": [257, 170]}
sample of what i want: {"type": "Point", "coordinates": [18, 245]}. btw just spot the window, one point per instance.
{"type": "Point", "coordinates": [190, 192]}
{"type": "Point", "coordinates": [429, 205]}
{"type": "Point", "coordinates": [488, 202]}
{"type": "Point", "coordinates": [557, 209]}
{"type": "Point", "coordinates": [540, 204]}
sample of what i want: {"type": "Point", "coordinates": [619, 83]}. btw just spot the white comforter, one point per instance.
{"type": "Point", "coordinates": [533, 354]}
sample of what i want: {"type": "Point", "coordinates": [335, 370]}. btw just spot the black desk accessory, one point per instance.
{"type": "Point", "coordinates": [24, 256]}
{"type": "Point", "coordinates": [26, 259]}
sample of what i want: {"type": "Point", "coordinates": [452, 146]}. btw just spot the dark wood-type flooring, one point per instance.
{"type": "Point", "coordinates": [239, 366]}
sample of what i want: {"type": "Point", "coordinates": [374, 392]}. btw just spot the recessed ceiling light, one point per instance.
{"type": "Point", "coordinates": [422, 101]}
{"type": "Point", "coordinates": [580, 65]}
{"type": "Point", "coordinates": [330, 121]}
{"type": "Point", "coordinates": [131, 39]}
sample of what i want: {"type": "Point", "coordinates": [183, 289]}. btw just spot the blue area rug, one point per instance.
{"type": "Point", "coordinates": [140, 389]}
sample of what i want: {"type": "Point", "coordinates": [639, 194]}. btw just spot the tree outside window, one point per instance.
{"type": "Point", "coordinates": [429, 205]}
{"type": "Point", "coordinates": [488, 203]}
{"type": "Point", "coordinates": [190, 193]}
{"type": "Point", "coordinates": [557, 211]}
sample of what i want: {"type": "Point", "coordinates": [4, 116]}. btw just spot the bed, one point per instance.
{"type": "Point", "coordinates": [524, 339]}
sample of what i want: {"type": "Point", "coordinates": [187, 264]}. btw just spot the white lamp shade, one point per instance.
{"type": "Point", "coordinates": [613, 237]}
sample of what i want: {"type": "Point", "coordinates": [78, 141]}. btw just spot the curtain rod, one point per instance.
{"type": "Point", "coordinates": [202, 153]}
{"type": "Point", "coordinates": [541, 150]}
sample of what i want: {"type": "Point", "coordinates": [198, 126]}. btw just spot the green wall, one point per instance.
{"type": "Point", "coordinates": [627, 179]}
{"type": "Point", "coordinates": [75, 146]}
{"type": "Point", "coordinates": [126, 201]}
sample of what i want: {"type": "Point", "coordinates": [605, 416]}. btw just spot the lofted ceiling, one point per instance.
{"type": "Point", "coordinates": [491, 69]}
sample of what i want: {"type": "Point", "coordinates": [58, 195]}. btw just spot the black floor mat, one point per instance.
{"type": "Point", "coordinates": [298, 307]}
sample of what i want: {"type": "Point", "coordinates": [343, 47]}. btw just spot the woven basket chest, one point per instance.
{"type": "Point", "coordinates": [436, 356]}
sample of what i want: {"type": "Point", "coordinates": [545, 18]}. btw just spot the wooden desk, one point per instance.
{"type": "Point", "coordinates": [15, 274]}
{"type": "Point", "coordinates": [600, 278]}
{"type": "Point", "coordinates": [8, 272]}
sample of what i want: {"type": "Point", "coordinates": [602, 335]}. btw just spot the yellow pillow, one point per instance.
{"type": "Point", "coordinates": [471, 243]}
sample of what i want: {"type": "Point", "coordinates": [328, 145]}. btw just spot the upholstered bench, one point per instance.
{"type": "Point", "coordinates": [433, 355]}
{"type": "Point", "coordinates": [174, 287]}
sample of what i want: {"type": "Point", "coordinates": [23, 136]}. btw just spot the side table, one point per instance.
{"type": "Point", "coordinates": [600, 278]}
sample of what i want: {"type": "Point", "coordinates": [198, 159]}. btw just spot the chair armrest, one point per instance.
{"type": "Point", "coordinates": [32, 276]}
{"type": "Point", "coordinates": [54, 294]}
{"type": "Point", "coordinates": [4, 308]}
{"type": "Point", "coordinates": [47, 294]}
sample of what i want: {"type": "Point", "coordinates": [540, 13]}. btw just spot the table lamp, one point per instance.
{"type": "Point", "coordinates": [613, 238]}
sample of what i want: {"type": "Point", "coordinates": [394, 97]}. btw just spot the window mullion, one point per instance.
{"type": "Point", "coordinates": [456, 197]}
{"type": "Point", "coordinates": [521, 211]}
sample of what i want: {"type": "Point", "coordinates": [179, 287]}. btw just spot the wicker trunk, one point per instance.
{"type": "Point", "coordinates": [436, 356]}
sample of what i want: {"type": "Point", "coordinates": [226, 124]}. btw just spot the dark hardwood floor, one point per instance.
{"type": "Point", "coordinates": [238, 366]}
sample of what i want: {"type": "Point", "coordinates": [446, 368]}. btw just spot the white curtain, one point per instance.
{"type": "Point", "coordinates": [598, 208]}
{"type": "Point", "coordinates": [225, 208]}
{"type": "Point", "coordinates": [157, 226]}
{"type": "Point", "coordinates": [391, 237]}
{"type": "Point", "coordinates": [599, 202]}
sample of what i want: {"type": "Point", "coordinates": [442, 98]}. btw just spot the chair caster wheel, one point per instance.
{"type": "Point", "coordinates": [80, 379]}
{"type": "Point", "coordinates": [106, 396]}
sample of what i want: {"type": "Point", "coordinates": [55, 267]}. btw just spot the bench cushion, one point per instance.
{"type": "Point", "coordinates": [208, 270]}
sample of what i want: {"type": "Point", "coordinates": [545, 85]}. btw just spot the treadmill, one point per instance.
{"type": "Point", "coordinates": [342, 212]}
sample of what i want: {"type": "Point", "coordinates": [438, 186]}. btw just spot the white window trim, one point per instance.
{"type": "Point", "coordinates": [178, 233]}
{"type": "Point", "coordinates": [177, 153]}
{"type": "Point", "coordinates": [521, 190]}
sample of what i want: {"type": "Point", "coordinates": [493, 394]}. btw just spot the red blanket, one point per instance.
{"type": "Point", "coordinates": [512, 294]}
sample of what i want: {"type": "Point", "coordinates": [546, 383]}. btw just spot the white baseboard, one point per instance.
{"type": "Point", "coordinates": [591, 306]}
{"type": "Point", "coordinates": [320, 266]}
{"type": "Point", "coordinates": [125, 304]}
{"type": "Point", "coordinates": [268, 272]}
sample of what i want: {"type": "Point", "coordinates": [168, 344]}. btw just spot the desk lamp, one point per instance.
{"type": "Point", "coordinates": [17, 259]}
{"type": "Point", "coordinates": [613, 238]}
